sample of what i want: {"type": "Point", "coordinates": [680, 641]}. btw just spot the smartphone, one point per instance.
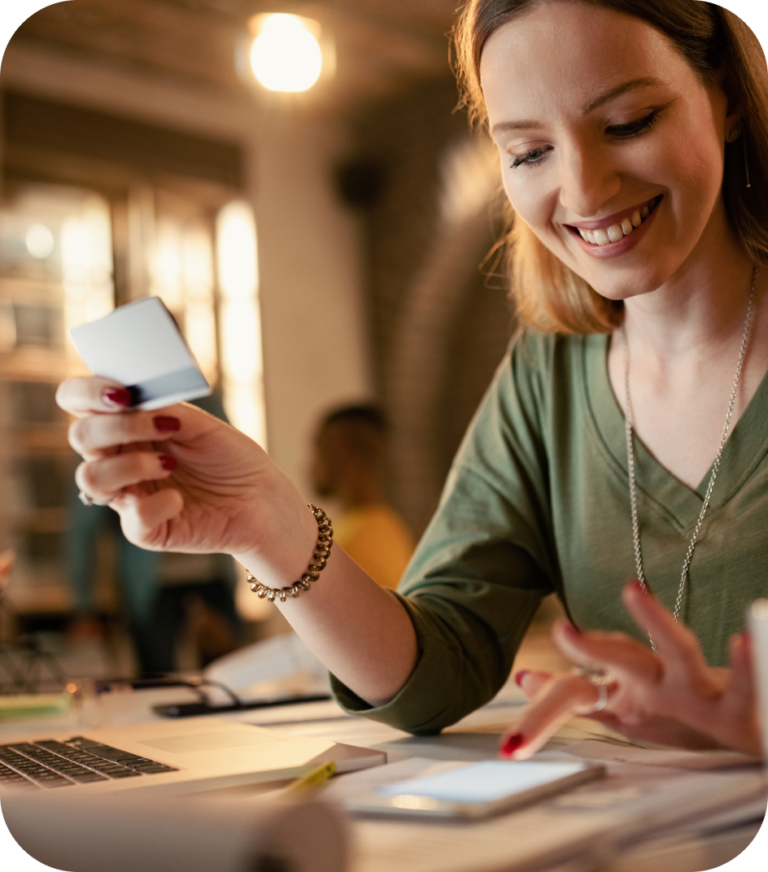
{"type": "Point", "coordinates": [476, 790]}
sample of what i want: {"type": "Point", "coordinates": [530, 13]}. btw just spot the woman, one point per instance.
{"type": "Point", "coordinates": [614, 122]}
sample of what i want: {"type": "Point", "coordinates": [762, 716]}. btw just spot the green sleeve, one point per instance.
{"type": "Point", "coordinates": [485, 561]}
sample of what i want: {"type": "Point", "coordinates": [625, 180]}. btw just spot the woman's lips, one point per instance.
{"type": "Point", "coordinates": [616, 228]}
{"type": "Point", "coordinates": [624, 230]}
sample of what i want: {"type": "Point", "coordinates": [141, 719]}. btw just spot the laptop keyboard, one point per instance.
{"type": "Point", "coordinates": [49, 763]}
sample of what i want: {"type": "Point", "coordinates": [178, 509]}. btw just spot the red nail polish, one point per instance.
{"type": "Point", "coordinates": [636, 587]}
{"type": "Point", "coordinates": [118, 396]}
{"type": "Point", "coordinates": [519, 676]}
{"type": "Point", "coordinates": [166, 424]}
{"type": "Point", "coordinates": [572, 631]}
{"type": "Point", "coordinates": [511, 744]}
{"type": "Point", "coordinates": [169, 463]}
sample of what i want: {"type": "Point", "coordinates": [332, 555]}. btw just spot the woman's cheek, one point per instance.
{"type": "Point", "coordinates": [534, 207]}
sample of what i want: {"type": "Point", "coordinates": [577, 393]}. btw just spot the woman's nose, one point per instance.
{"type": "Point", "coordinates": [588, 180]}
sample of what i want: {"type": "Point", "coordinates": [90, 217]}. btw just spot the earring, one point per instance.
{"type": "Point", "coordinates": [746, 162]}
{"type": "Point", "coordinates": [734, 133]}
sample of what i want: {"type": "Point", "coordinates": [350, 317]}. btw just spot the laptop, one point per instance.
{"type": "Point", "coordinates": [195, 755]}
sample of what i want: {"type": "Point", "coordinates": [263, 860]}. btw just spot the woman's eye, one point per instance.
{"type": "Point", "coordinates": [633, 127]}
{"type": "Point", "coordinates": [531, 158]}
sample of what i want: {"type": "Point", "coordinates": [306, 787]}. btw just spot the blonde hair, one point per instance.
{"type": "Point", "coordinates": [548, 295]}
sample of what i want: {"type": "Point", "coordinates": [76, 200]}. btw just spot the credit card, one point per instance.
{"type": "Point", "coordinates": [141, 346]}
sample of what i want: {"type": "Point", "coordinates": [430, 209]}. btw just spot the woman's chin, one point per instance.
{"type": "Point", "coordinates": [621, 289]}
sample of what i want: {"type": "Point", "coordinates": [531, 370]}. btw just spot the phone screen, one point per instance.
{"type": "Point", "coordinates": [484, 782]}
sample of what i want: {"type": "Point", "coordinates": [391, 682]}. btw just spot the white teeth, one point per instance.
{"type": "Point", "coordinates": [615, 233]}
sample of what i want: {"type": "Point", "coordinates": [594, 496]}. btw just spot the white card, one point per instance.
{"type": "Point", "coordinates": [140, 346]}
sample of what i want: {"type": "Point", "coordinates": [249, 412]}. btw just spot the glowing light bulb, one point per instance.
{"type": "Point", "coordinates": [40, 241]}
{"type": "Point", "coordinates": [286, 56]}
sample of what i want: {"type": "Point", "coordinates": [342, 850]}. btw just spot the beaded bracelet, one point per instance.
{"type": "Point", "coordinates": [319, 557]}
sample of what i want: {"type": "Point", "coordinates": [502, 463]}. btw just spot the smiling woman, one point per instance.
{"type": "Point", "coordinates": [622, 127]}
{"type": "Point", "coordinates": [707, 47]}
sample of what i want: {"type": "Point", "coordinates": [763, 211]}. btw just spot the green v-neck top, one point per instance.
{"type": "Point", "coordinates": [538, 501]}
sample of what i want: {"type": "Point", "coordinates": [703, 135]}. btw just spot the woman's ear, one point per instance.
{"type": "Point", "coordinates": [733, 106]}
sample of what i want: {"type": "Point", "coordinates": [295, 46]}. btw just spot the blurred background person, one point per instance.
{"type": "Point", "coordinates": [348, 467]}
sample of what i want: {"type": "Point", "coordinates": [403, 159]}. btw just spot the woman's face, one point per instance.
{"type": "Point", "coordinates": [605, 132]}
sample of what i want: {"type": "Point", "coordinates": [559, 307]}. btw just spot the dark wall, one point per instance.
{"type": "Point", "coordinates": [438, 325]}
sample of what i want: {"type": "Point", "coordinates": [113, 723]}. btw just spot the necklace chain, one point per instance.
{"type": "Point", "coordinates": [715, 465]}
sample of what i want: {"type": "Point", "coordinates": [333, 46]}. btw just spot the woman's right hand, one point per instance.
{"type": "Point", "coordinates": [225, 495]}
{"type": "Point", "coordinates": [182, 480]}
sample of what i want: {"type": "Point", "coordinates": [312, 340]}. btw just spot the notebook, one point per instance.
{"type": "Point", "coordinates": [194, 755]}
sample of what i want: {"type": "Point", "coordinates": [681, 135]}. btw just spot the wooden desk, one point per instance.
{"type": "Point", "coordinates": [629, 822]}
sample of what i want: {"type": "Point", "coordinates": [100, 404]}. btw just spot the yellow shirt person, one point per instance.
{"type": "Point", "coordinates": [348, 466]}
{"type": "Point", "coordinates": [376, 538]}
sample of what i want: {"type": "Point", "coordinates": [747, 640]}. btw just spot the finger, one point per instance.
{"type": "Point", "coordinates": [92, 435]}
{"type": "Point", "coordinates": [742, 728]}
{"type": "Point", "coordinates": [615, 653]}
{"type": "Point", "coordinates": [81, 396]}
{"type": "Point", "coordinates": [530, 681]}
{"type": "Point", "coordinates": [742, 684]}
{"type": "Point", "coordinates": [103, 479]}
{"type": "Point", "coordinates": [676, 644]}
{"type": "Point", "coordinates": [558, 701]}
{"type": "Point", "coordinates": [144, 518]}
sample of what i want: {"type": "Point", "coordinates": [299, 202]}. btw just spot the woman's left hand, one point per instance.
{"type": "Point", "coordinates": [670, 698]}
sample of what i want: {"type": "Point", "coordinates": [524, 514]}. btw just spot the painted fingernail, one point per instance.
{"type": "Point", "coordinates": [519, 676]}
{"type": "Point", "coordinates": [639, 588]}
{"type": "Point", "coordinates": [117, 396]}
{"type": "Point", "coordinates": [169, 463]}
{"type": "Point", "coordinates": [166, 424]}
{"type": "Point", "coordinates": [511, 744]}
{"type": "Point", "coordinates": [572, 631]}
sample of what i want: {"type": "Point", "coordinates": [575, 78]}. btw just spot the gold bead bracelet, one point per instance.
{"type": "Point", "coordinates": [319, 559]}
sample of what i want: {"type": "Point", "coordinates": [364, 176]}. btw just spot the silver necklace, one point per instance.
{"type": "Point", "coordinates": [715, 465]}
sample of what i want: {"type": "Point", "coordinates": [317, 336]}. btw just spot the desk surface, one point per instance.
{"type": "Point", "coordinates": [654, 812]}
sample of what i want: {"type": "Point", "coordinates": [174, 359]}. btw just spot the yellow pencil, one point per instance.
{"type": "Point", "coordinates": [313, 779]}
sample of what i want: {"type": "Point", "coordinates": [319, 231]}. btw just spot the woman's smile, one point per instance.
{"type": "Point", "coordinates": [616, 234]}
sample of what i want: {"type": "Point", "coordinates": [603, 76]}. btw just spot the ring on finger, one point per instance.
{"type": "Point", "coordinates": [602, 698]}
{"type": "Point", "coordinates": [601, 680]}
{"type": "Point", "coordinates": [88, 500]}
{"type": "Point", "coordinates": [598, 677]}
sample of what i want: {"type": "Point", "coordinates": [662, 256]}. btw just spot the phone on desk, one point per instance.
{"type": "Point", "coordinates": [476, 790]}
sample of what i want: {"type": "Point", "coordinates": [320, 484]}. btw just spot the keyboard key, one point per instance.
{"type": "Point", "coordinates": [51, 763]}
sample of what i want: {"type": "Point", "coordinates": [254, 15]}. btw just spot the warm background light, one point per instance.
{"type": "Point", "coordinates": [240, 325]}
{"type": "Point", "coordinates": [286, 55]}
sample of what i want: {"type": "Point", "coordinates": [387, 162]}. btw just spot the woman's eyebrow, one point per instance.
{"type": "Point", "coordinates": [589, 106]}
{"type": "Point", "coordinates": [618, 91]}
